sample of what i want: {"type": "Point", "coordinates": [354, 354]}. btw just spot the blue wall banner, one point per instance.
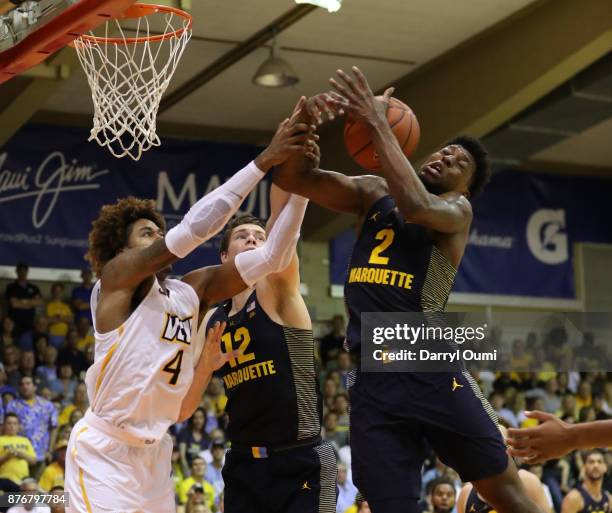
{"type": "Point", "coordinates": [53, 184]}
{"type": "Point", "coordinates": [522, 235]}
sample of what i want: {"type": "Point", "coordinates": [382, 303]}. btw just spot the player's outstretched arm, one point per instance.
{"type": "Point", "coordinates": [554, 438]}
{"type": "Point", "coordinates": [216, 283]}
{"type": "Point", "coordinates": [449, 213]}
{"type": "Point", "coordinates": [206, 217]}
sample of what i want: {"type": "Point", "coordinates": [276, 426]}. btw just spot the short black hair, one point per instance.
{"type": "Point", "coordinates": [439, 482]}
{"type": "Point", "coordinates": [590, 452]}
{"type": "Point", "coordinates": [234, 223]}
{"type": "Point", "coordinates": [482, 171]}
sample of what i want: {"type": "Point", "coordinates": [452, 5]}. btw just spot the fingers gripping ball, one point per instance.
{"type": "Point", "coordinates": [358, 140]}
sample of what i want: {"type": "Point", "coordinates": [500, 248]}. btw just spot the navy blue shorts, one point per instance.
{"type": "Point", "coordinates": [392, 415]}
{"type": "Point", "coordinates": [300, 480]}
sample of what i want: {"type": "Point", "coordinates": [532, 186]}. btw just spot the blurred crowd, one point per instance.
{"type": "Point", "coordinates": [47, 344]}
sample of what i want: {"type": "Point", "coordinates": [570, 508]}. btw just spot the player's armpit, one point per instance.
{"type": "Point", "coordinates": [441, 214]}
{"type": "Point", "coordinates": [215, 283]}
{"type": "Point", "coordinates": [130, 267]}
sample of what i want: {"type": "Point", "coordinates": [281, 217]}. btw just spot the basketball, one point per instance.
{"type": "Point", "coordinates": [404, 124]}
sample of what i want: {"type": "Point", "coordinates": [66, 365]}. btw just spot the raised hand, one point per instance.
{"type": "Point", "coordinates": [212, 354]}
{"type": "Point", "coordinates": [290, 137]}
{"type": "Point", "coordinates": [360, 100]}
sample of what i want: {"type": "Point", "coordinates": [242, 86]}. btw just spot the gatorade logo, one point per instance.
{"type": "Point", "coordinates": [546, 236]}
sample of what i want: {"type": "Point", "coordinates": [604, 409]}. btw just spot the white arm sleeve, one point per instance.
{"type": "Point", "coordinates": [275, 255]}
{"type": "Point", "coordinates": [210, 214]}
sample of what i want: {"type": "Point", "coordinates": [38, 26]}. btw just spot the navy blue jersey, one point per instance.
{"type": "Point", "coordinates": [603, 505]}
{"type": "Point", "coordinates": [475, 504]}
{"type": "Point", "coordinates": [272, 389]}
{"type": "Point", "coordinates": [395, 267]}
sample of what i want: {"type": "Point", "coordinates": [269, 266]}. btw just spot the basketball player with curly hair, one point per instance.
{"type": "Point", "coordinates": [147, 373]}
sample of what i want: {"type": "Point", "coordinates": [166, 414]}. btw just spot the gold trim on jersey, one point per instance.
{"type": "Point", "coordinates": [105, 363]}
{"type": "Point", "coordinates": [177, 331]}
{"type": "Point", "coordinates": [83, 491]}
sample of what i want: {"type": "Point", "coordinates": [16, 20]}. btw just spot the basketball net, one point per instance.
{"type": "Point", "coordinates": [129, 75]}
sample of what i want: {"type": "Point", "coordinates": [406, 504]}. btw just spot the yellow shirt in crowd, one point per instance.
{"type": "Point", "coordinates": [58, 329]}
{"type": "Point", "coordinates": [15, 469]}
{"type": "Point", "coordinates": [51, 477]}
{"type": "Point", "coordinates": [185, 486]}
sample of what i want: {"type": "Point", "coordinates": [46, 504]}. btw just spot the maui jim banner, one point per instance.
{"type": "Point", "coordinates": [521, 238]}
{"type": "Point", "coordinates": [53, 184]}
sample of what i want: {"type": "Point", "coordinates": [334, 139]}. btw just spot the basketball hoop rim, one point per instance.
{"type": "Point", "coordinates": [139, 11]}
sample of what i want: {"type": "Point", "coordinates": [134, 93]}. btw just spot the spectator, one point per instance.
{"type": "Point", "coordinates": [81, 296]}
{"type": "Point", "coordinates": [196, 499]}
{"type": "Point", "coordinates": [552, 402]}
{"type": "Point", "coordinates": [213, 473]}
{"type": "Point", "coordinates": [59, 313]}
{"type": "Point", "coordinates": [584, 396]}
{"type": "Point", "coordinates": [331, 344]}
{"type": "Point", "coordinates": [38, 418]}
{"type": "Point", "coordinates": [22, 297]}
{"type": "Point", "coordinates": [58, 505]}
{"type": "Point", "coordinates": [497, 402]}
{"type": "Point", "coordinates": [586, 414]}
{"type": "Point", "coordinates": [29, 487]}
{"type": "Point", "coordinates": [7, 335]}
{"type": "Point", "coordinates": [337, 438]}
{"type": "Point", "coordinates": [346, 489]}
{"type": "Point", "coordinates": [599, 407]}
{"type": "Point", "coordinates": [16, 453]}
{"type": "Point", "coordinates": [75, 416]}
{"type": "Point", "coordinates": [443, 495]}
{"type": "Point", "coordinates": [54, 473]}
{"type": "Point", "coordinates": [70, 354]}
{"type": "Point", "coordinates": [521, 360]}
{"type": "Point", "coordinates": [11, 366]}
{"type": "Point", "coordinates": [177, 470]}
{"type": "Point", "coordinates": [85, 336]}
{"type": "Point", "coordinates": [193, 438]}
{"type": "Point", "coordinates": [341, 408]}
{"type": "Point", "coordinates": [27, 363]}
{"type": "Point", "coordinates": [568, 406]}
{"type": "Point", "coordinates": [330, 390]}
{"type": "Point", "coordinates": [65, 385]}
{"type": "Point", "coordinates": [81, 403]}
{"type": "Point", "coordinates": [439, 470]}
{"type": "Point", "coordinates": [344, 368]}
{"type": "Point", "coordinates": [198, 471]}
{"type": "Point", "coordinates": [587, 352]}
{"type": "Point", "coordinates": [41, 328]}
{"type": "Point", "coordinates": [216, 393]}
{"type": "Point", "coordinates": [41, 342]}
{"type": "Point", "coordinates": [47, 373]}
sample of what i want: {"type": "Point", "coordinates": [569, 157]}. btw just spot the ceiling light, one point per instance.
{"type": "Point", "coordinates": [274, 71]}
{"type": "Point", "coordinates": [330, 5]}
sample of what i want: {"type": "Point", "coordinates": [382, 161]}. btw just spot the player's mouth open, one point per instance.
{"type": "Point", "coordinates": [434, 169]}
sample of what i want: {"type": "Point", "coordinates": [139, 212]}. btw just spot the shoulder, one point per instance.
{"type": "Point", "coordinates": [574, 497]}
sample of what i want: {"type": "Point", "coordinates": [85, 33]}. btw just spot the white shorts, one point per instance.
{"type": "Point", "coordinates": [104, 474]}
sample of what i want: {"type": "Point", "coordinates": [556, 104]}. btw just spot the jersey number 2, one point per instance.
{"type": "Point", "coordinates": [173, 367]}
{"type": "Point", "coordinates": [387, 237]}
{"type": "Point", "coordinates": [241, 335]}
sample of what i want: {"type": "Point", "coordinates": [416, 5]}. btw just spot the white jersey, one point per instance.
{"type": "Point", "coordinates": [143, 369]}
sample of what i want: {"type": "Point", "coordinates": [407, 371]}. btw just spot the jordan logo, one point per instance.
{"type": "Point", "coordinates": [456, 384]}
{"type": "Point", "coordinates": [305, 486]}
{"type": "Point", "coordinates": [472, 509]}
{"type": "Point", "coordinates": [374, 216]}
